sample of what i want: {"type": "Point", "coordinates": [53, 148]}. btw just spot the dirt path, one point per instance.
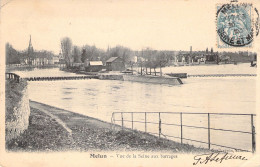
{"type": "Point", "coordinates": [44, 109]}
{"type": "Point", "coordinates": [54, 129]}
{"type": "Point", "coordinates": [69, 119]}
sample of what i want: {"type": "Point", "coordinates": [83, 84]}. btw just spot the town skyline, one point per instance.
{"type": "Point", "coordinates": [75, 54]}
{"type": "Point", "coordinates": [188, 49]}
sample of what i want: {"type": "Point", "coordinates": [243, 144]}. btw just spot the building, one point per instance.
{"type": "Point", "coordinates": [115, 64]}
{"type": "Point", "coordinates": [55, 59]}
{"type": "Point", "coordinates": [27, 58]}
{"type": "Point", "coordinates": [61, 59]}
{"type": "Point", "coordinates": [211, 57]}
{"type": "Point", "coordinates": [186, 57]}
{"type": "Point", "coordinates": [93, 66]}
{"type": "Point", "coordinates": [37, 58]}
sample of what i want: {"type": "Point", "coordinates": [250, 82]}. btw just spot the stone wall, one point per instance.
{"type": "Point", "coordinates": [17, 109]}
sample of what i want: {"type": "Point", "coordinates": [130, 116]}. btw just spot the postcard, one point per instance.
{"type": "Point", "coordinates": [129, 83]}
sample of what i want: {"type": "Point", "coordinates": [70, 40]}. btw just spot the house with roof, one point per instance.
{"type": "Point", "coordinates": [115, 64]}
{"type": "Point", "coordinates": [93, 66]}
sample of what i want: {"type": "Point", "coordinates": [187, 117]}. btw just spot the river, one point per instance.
{"type": "Point", "coordinates": [100, 98]}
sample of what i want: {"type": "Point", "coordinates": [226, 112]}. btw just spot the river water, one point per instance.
{"type": "Point", "coordinates": [100, 98]}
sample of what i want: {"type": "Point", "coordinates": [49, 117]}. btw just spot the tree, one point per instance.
{"type": "Point", "coordinates": [161, 60]}
{"type": "Point", "coordinates": [148, 55]}
{"type": "Point", "coordinates": [123, 52]}
{"type": "Point", "coordinates": [93, 53]}
{"type": "Point", "coordinates": [12, 56]}
{"type": "Point", "coordinates": [154, 59]}
{"type": "Point", "coordinates": [83, 55]}
{"type": "Point", "coordinates": [66, 47]}
{"type": "Point", "coordinates": [76, 54]}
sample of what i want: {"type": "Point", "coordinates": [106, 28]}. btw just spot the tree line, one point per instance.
{"type": "Point", "coordinates": [147, 58]}
{"type": "Point", "coordinates": [14, 56]}
{"type": "Point", "coordinates": [76, 54]}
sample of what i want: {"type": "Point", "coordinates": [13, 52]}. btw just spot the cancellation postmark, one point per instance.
{"type": "Point", "coordinates": [234, 25]}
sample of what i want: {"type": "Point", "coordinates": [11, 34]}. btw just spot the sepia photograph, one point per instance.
{"type": "Point", "coordinates": [129, 83]}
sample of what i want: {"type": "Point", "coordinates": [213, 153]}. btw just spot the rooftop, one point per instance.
{"type": "Point", "coordinates": [96, 63]}
{"type": "Point", "coordinates": [111, 59]}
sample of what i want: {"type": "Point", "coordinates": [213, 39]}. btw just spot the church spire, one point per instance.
{"type": "Point", "coordinates": [30, 47]}
{"type": "Point", "coordinates": [30, 42]}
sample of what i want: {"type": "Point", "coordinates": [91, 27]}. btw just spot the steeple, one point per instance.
{"type": "Point", "coordinates": [30, 47]}
{"type": "Point", "coordinates": [30, 42]}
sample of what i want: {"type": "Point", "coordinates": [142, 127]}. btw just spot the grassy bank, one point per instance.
{"type": "Point", "coordinates": [17, 108]}
{"type": "Point", "coordinates": [43, 134]}
{"type": "Point", "coordinates": [87, 134]}
{"type": "Point", "coordinates": [13, 94]}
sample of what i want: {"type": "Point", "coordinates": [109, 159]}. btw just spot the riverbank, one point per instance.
{"type": "Point", "coordinates": [17, 108]}
{"type": "Point", "coordinates": [54, 129]}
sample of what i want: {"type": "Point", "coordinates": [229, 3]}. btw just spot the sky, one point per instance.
{"type": "Point", "coordinates": [137, 24]}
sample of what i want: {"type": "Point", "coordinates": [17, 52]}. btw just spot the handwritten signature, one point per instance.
{"type": "Point", "coordinates": [216, 157]}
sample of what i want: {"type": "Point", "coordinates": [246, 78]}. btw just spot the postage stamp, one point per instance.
{"type": "Point", "coordinates": [234, 25]}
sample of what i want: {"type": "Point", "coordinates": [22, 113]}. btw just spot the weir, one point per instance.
{"type": "Point", "coordinates": [60, 78]}
{"type": "Point", "coordinates": [142, 79]}
{"type": "Point", "coordinates": [223, 75]}
{"type": "Point", "coordinates": [133, 78]}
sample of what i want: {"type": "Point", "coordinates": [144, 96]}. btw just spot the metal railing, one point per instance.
{"type": "Point", "coordinates": [181, 125]}
{"type": "Point", "coordinates": [13, 76]}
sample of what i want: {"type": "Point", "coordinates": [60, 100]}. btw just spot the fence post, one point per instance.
{"type": "Point", "coordinates": [209, 130]}
{"type": "Point", "coordinates": [159, 125]}
{"type": "Point", "coordinates": [181, 126]}
{"type": "Point", "coordinates": [253, 133]}
{"type": "Point", "coordinates": [132, 121]}
{"type": "Point", "coordinates": [145, 122]}
{"type": "Point", "coordinates": [122, 121]}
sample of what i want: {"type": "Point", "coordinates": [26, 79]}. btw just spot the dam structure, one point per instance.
{"type": "Point", "coordinates": [142, 78]}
